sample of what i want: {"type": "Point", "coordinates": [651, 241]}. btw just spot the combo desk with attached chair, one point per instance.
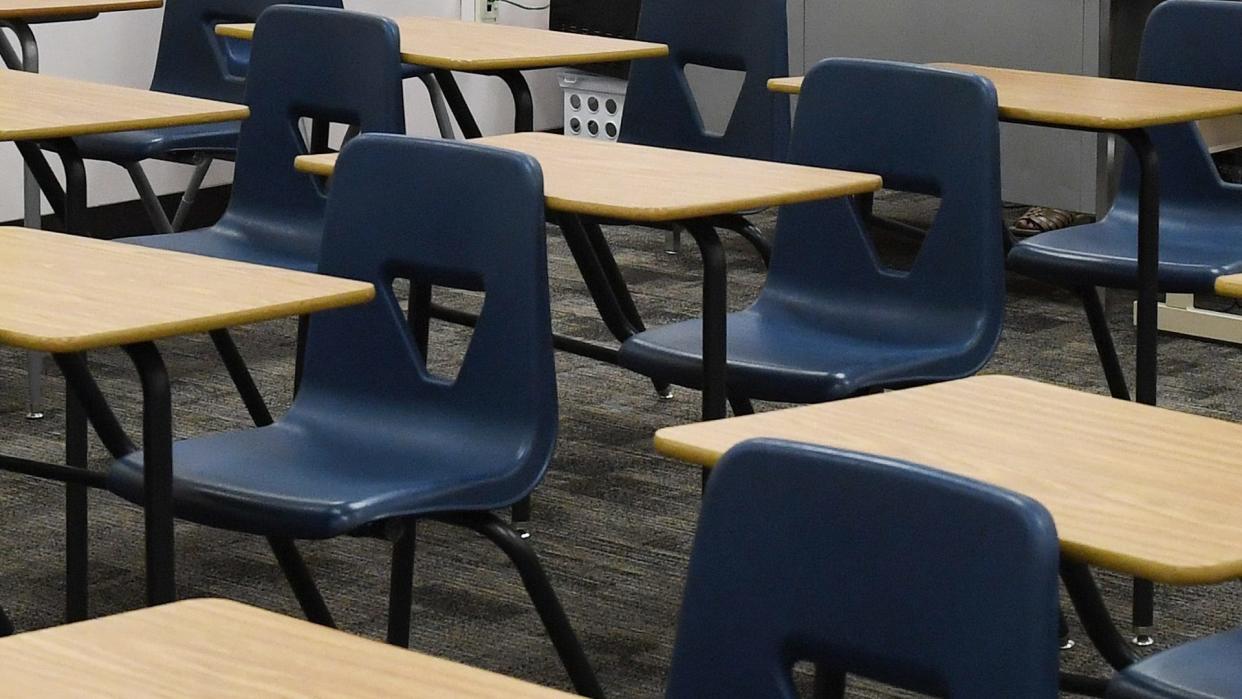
{"type": "Point", "coordinates": [67, 295]}
{"type": "Point", "coordinates": [1132, 488]}
{"type": "Point", "coordinates": [655, 185]}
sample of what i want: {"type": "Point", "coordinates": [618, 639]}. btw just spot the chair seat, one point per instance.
{"type": "Point", "coordinates": [134, 146]}
{"type": "Point", "coordinates": [784, 359]}
{"type": "Point", "coordinates": [304, 480]}
{"type": "Point", "coordinates": [1194, 251]}
{"type": "Point", "coordinates": [1206, 667]}
{"type": "Point", "coordinates": [224, 244]}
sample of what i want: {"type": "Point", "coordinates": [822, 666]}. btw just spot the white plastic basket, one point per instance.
{"type": "Point", "coordinates": [593, 104]}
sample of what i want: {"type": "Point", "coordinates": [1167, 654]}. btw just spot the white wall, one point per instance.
{"type": "Point", "coordinates": [120, 49]}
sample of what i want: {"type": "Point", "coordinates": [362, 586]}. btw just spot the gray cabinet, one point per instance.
{"type": "Point", "coordinates": [1040, 166]}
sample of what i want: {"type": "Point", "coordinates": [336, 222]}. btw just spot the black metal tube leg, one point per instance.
{"type": "Point", "coordinates": [544, 598]}
{"type": "Point", "coordinates": [6, 626]}
{"type": "Point", "coordinates": [75, 218]}
{"type": "Point", "coordinates": [715, 309]}
{"type": "Point", "coordinates": [750, 232]}
{"type": "Point", "coordinates": [9, 55]}
{"type": "Point", "coordinates": [401, 583]}
{"type": "Point", "coordinates": [523, 106]}
{"type": "Point", "coordinates": [457, 104]}
{"type": "Point", "coordinates": [418, 314]}
{"type": "Point", "coordinates": [319, 136]}
{"type": "Point", "coordinates": [1148, 265]}
{"type": "Point", "coordinates": [44, 176]}
{"type": "Point", "coordinates": [741, 405]}
{"type": "Point", "coordinates": [78, 378]}
{"type": "Point", "coordinates": [242, 380]}
{"type": "Point", "coordinates": [300, 581]}
{"type": "Point", "coordinates": [520, 513]}
{"type": "Point", "coordinates": [157, 471]}
{"type": "Point", "coordinates": [594, 276]}
{"type": "Point", "coordinates": [612, 273]}
{"type": "Point", "coordinates": [1096, 318]}
{"type": "Point", "coordinates": [1143, 611]}
{"type": "Point", "coordinates": [1147, 342]}
{"type": "Point", "coordinates": [76, 551]}
{"type": "Point", "coordinates": [1096, 621]}
{"type": "Point", "coordinates": [299, 352]}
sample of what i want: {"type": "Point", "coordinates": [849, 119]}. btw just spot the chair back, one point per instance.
{"type": "Point", "coordinates": [924, 130]}
{"type": "Point", "coordinates": [296, 75]}
{"type": "Point", "coordinates": [865, 566]}
{"type": "Point", "coordinates": [449, 214]}
{"type": "Point", "coordinates": [192, 60]}
{"type": "Point", "coordinates": [741, 35]}
{"type": "Point", "coordinates": [1187, 42]}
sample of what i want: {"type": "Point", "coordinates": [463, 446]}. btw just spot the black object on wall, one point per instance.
{"type": "Point", "coordinates": [616, 18]}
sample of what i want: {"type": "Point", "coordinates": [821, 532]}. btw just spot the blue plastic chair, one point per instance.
{"type": "Point", "coordinates": [275, 214]}
{"type": "Point", "coordinates": [864, 566]}
{"type": "Point", "coordinates": [192, 61]}
{"type": "Point", "coordinates": [373, 440]}
{"type": "Point", "coordinates": [832, 320]}
{"type": "Point", "coordinates": [1206, 668]}
{"type": "Point", "coordinates": [740, 35]}
{"type": "Point", "coordinates": [1186, 42]}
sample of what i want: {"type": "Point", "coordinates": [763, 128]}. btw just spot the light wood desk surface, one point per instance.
{"type": "Point", "coordinates": [640, 183]}
{"type": "Point", "coordinates": [48, 9]}
{"type": "Point", "coordinates": [1132, 488]}
{"type": "Point", "coordinates": [37, 107]}
{"type": "Point", "coordinates": [1229, 286]}
{"type": "Point", "coordinates": [451, 44]}
{"type": "Point", "coordinates": [65, 293]}
{"type": "Point", "coordinates": [1087, 102]}
{"type": "Point", "coordinates": [218, 648]}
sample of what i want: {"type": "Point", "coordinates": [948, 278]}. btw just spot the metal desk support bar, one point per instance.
{"type": "Point", "coordinates": [1146, 317]}
{"type": "Point", "coordinates": [523, 107]}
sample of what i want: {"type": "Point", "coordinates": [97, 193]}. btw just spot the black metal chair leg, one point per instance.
{"type": "Point", "coordinates": [612, 273]}
{"type": "Point", "coordinates": [544, 598]}
{"type": "Point", "coordinates": [6, 626]}
{"type": "Point", "coordinates": [741, 405]}
{"type": "Point", "coordinates": [401, 582]}
{"type": "Point", "coordinates": [299, 357]}
{"type": "Point", "coordinates": [751, 233]}
{"type": "Point", "coordinates": [1143, 611]}
{"type": "Point", "coordinates": [418, 315]}
{"type": "Point", "coordinates": [76, 534]}
{"type": "Point", "coordinates": [1142, 599]}
{"type": "Point", "coordinates": [242, 380]}
{"type": "Point", "coordinates": [1113, 372]}
{"type": "Point", "coordinates": [300, 581]}
{"type": "Point", "coordinates": [1096, 621]}
{"type": "Point", "coordinates": [520, 512]}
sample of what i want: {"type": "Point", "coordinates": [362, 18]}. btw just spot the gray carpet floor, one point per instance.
{"type": "Point", "coordinates": [613, 521]}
